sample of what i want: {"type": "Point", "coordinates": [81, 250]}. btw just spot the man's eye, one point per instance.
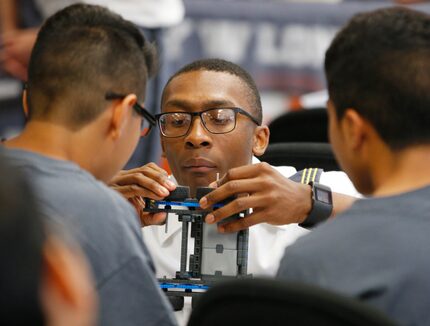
{"type": "Point", "coordinates": [220, 120]}
{"type": "Point", "coordinates": [177, 122]}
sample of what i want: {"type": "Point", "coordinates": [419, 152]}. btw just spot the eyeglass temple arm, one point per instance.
{"type": "Point", "coordinates": [249, 116]}
{"type": "Point", "coordinates": [147, 115]}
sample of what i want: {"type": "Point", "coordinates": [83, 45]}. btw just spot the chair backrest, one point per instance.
{"type": "Point", "coordinates": [301, 156]}
{"type": "Point", "coordinates": [273, 302]}
{"type": "Point", "coordinates": [308, 125]}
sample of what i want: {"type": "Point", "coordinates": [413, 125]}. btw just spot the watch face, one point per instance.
{"type": "Point", "coordinates": [322, 196]}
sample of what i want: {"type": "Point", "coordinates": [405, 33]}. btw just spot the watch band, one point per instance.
{"type": "Point", "coordinates": [322, 205]}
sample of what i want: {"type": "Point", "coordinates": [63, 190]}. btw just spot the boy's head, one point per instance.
{"type": "Point", "coordinates": [88, 69]}
{"type": "Point", "coordinates": [378, 75]}
{"type": "Point", "coordinates": [199, 149]}
{"type": "Point", "coordinates": [81, 53]}
{"type": "Point", "coordinates": [43, 280]}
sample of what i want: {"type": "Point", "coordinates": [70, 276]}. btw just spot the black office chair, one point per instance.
{"type": "Point", "coordinates": [301, 156]}
{"type": "Point", "coordinates": [308, 125]}
{"type": "Point", "coordinates": [273, 302]}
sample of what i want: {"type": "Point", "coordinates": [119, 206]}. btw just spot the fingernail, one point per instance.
{"type": "Point", "coordinates": [170, 184]}
{"type": "Point", "coordinates": [163, 191]}
{"type": "Point", "coordinates": [210, 218]}
{"type": "Point", "coordinates": [203, 202]}
{"type": "Point", "coordinates": [213, 185]}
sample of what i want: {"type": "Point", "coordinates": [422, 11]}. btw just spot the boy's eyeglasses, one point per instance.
{"type": "Point", "coordinates": [148, 120]}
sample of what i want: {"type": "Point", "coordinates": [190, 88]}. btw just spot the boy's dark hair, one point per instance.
{"type": "Point", "coordinates": [81, 53]}
{"type": "Point", "coordinates": [379, 64]}
{"type": "Point", "coordinates": [220, 65]}
{"type": "Point", "coordinates": [22, 235]}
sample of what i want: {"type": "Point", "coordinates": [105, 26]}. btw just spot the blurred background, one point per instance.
{"type": "Point", "coordinates": [281, 43]}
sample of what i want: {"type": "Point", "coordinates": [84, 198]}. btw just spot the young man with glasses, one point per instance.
{"type": "Point", "coordinates": [211, 124]}
{"type": "Point", "coordinates": [88, 72]}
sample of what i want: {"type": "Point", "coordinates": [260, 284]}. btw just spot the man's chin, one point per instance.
{"type": "Point", "coordinates": [197, 181]}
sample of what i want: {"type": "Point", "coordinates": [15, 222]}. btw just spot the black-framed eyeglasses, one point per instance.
{"type": "Point", "coordinates": [215, 120]}
{"type": "Point", "coordinates": [148, 120]}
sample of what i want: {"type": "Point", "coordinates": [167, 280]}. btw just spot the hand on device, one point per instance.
{"type": "Point", "coordinates": [273, 198]}
{"type": "Point", "coordinates": [149, 181]}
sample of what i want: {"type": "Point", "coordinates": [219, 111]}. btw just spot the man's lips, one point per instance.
{"type": "Point", "coordinates": [199, 165]}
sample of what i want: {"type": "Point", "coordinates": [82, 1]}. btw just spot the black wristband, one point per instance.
{"type": "Point", "coordinates": [322, 205]}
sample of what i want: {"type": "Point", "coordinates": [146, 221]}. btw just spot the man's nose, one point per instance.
{"type": "Point", "coordinates": [198, 135]}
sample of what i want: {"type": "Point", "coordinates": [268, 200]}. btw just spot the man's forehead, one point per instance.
{"type": "Point", "coordinates": [207, 88]}
{"type": "Point", "coordinates": [185, 103]}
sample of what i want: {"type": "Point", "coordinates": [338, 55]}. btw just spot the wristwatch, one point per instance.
{"type": "Point", "coordinates": [322, 205]}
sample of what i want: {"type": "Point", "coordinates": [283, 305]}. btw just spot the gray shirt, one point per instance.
{"type": "Point", "coordinates": [378, 251]}
{"type": "Point", "coordinates": [107, 228]}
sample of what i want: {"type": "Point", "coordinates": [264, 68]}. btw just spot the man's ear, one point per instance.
{"type": "Point", "coordinates": [260, 140]}
{"type": "Point", "coordinates": [120, 114]}
{"type": "Point", "coordinates": [25, 102]}
{"type": "Point", "coordinates": [354, 128]}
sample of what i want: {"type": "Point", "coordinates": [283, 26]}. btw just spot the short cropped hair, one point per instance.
{"type": "Point", "coordinates": [379, 64]}
{"type": "Point", "coordinates": [22, 235]}
{"type": "Point", "coordinates": [220, 65]}
{"type": "Point", "coordinates": [81, 53]}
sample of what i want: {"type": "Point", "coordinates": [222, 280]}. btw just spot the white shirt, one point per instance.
{"type": "Point", "coordinates": [144, 13]}
{"type": "Point", "coordinates": [266, 242]}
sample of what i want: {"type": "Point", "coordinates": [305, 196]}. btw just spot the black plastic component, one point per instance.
{"type": "Point", "coordinates": [202, 191]}
{"type": "Point", "coordinates": [180, 193]}
{"type": "Point", "coordinates": [194, 301]}
{"type": "Point", "coordinates": [176, 302]}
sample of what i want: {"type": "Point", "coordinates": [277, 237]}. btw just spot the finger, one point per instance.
{"type": "Point", "coordinates": [242, 172]}
{"type": "Point", "coordinates": [227, 190]}
{"type": "Point", "coordinates": [147, 219]}
{"type": "Point", "coordinates": [236, 206]}
{"type": "Point", "coordinates": [146, 182]}
{"type": "Point", "coordinates": [137, 205]}
{"type": "Point", "coordinates": [159, 218]}
{"type": "Point", "coordinates": [242, 223]}
{"type": "Point", "coordinates": [141, 202]}
{"type": "Point", "coordinates": [157, 168]}
{"type": "Point", "coordinates": [134, 203]}
{"type": "Point", "coordinates": [131, 191]}
{"type": "Point", "coordinates": [150, 165]}
{"type": "Point", "coordinates": [142, 169]}
{"type": "Point", "coordinates": [145, 178]}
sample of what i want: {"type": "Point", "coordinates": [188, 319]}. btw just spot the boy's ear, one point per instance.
{"type": "Point", "coordinates": [25, 103]}
{"type": "Point", "coordinates": [354, 128]}
{"type": "Point", "coordinates": [56, 280]}
{"type": "Point", "coordinates": [119, 114]}
{"type": "Point", "coordinates": [260, 140]}
{"type": "Point", "coordinates": [66, 281]}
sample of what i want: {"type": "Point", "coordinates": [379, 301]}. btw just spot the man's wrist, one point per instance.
{"type": "Point", "coordinates": [306, 201]}
{"type": "Point", "coordinates": [321, 207]}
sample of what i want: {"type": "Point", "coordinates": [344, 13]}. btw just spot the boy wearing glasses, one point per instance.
{"type": "Point", "coordinates": [87, 74]}
{"type": "Point", "coordinates": [211, 123]}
